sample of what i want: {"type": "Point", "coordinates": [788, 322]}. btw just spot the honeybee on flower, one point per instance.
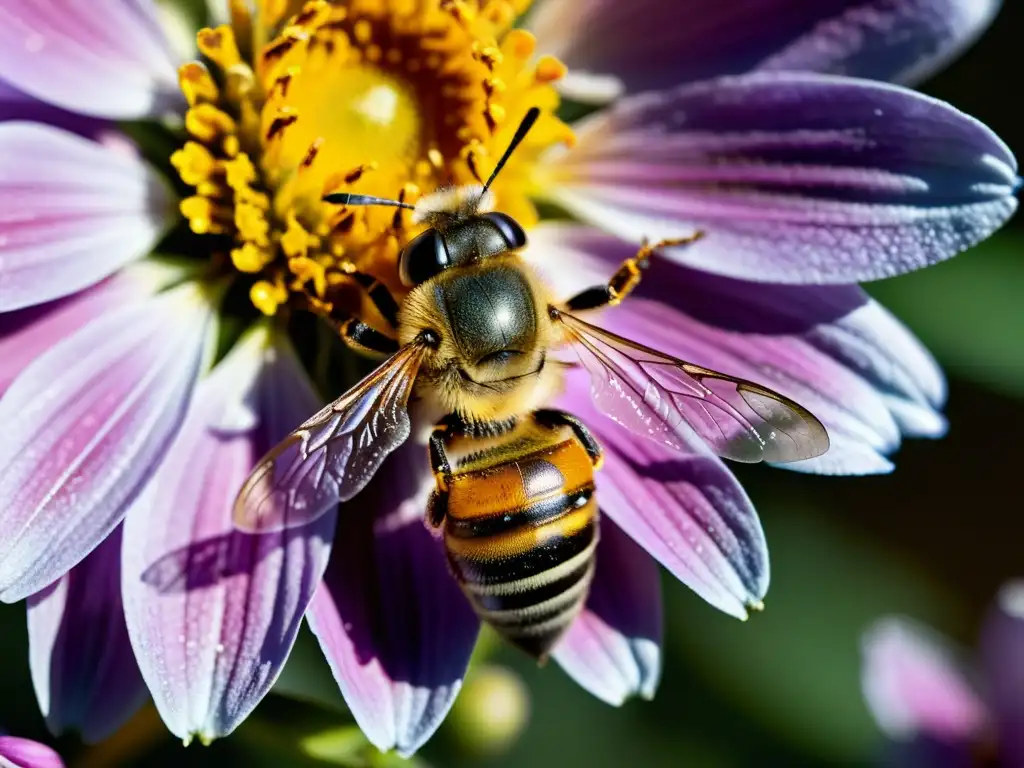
{"type": "Point", "coordinates": [131, 429]}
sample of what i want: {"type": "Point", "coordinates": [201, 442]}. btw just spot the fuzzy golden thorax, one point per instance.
{"type": "Point", "coordinates": [494, 335]}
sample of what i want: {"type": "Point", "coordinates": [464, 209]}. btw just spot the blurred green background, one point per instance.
{"type": "Point", "coordinates": [933, 540]}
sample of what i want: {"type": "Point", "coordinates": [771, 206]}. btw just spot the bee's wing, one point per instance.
{"type": "Point", "coordinates": [333, 455]}
{"type": "Point", "coordinates": [672, 401]}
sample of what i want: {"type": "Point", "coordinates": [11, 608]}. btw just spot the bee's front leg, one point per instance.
{"type": "Point", "coordinates": [361, 338]}
{"type": "Point", "coordinates": [626, 278]}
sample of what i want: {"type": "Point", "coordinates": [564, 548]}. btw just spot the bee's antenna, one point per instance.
{"type": "Point", "coordinates": [524, 128]}
{"type": "Point", "coordinates": [344, 198]}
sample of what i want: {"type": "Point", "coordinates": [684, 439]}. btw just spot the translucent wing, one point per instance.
{"type": "Point", "coordinates": [684, 405]}
{"type": "Point", "coordinates": [333, 455]}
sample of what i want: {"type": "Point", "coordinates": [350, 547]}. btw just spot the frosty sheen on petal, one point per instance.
{"type": "Point", "coordinates": [794, 178]}
{"type": "Point", "coordinates": [613, 648]}
{"type": "Point", "coordinates": [109, 61]}
{"type": "Point", "coordinates": [72, 212]}
{"type": "Point", "coordinates": [86, 424]}
{"type": "Point", "coordinates": [83, 668]}
{"type": "Point", "coordinates": [213, 612]}
{"type": "Point", "coordinates": [392, 622]}
{"type": "Point", "coordinates": [655, 44]}
{"type": "Point", "coordinates": [28, 333]}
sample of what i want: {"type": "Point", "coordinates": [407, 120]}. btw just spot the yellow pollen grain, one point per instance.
{"type": "Point", "coordinates": [250, 259]}
{"type": "Point", "coordinates": [219, 46]}
{"type": "Point", "coordinates": [207, 123]}
{"type": "Point", "coordinates": [295, 241]}
{"type": "Point", "coordinates": [267, 297]}
{"type": "Point", "coordinates": [240, 172]}
{"type": "Point", "coordinates": [196, 84]}
{"type": "Point", "coordinates": [550, 69]}
{"type": "Point", "coordinates": [194, 163]}
{"type": "Point", "coordinates": [308, 271]}
{"type": "Point", "coordinates": [204, 216]}
{"type": "Point", "coordinates": [252, 224]}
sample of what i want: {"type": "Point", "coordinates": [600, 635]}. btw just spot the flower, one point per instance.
{"type": "Point", "coordinates": [126, 443]}
{"type": "Point", "coordinates": [938, 706]}
{"type": "Point", "coordinates": [25, 753]}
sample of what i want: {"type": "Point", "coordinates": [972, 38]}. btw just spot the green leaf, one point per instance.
{"type": "Point", "coordinates": [969, 311]}
{"type": "Point", "coordinates": [795, 668]}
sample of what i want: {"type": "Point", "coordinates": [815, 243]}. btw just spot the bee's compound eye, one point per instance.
{"type": "Point", "coordinates": [509, 228]}
{"type": "Point", "coordinates": [424, 256]}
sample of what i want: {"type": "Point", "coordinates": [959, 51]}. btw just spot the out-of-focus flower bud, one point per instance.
{"type": "Point", "coordinates": [492, 710]}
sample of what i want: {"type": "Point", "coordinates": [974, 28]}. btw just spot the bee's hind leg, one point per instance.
{"type": "Point", "coordinates": [625, 279]}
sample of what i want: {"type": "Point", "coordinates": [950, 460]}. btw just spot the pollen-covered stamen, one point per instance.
{"type": "Point", "coordinates": [392, 99]}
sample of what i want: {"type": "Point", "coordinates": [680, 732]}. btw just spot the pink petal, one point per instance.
{"type": "Point", "coordinates": [24, 753]}
{"type": "Point", "coordinates": [613, 649]}
{"type": "Point", "coordinates": [1002, 657]}
{"type": "Point", "coordinates": [212, 612]}
{"type": "Point", "coordinates": [914, 686]}
{"type": "Point", "coordinates": [73, 213]}
{"type": "Point", "coordinates": [392, 622]}
{"type": "Point", "coordinates": [832, 348]}
{"type": "Point", "coordinates": [655, 44]}
{"type": "Point", "coordinates": [687, 511]}
{"type": "Point", "coordinates": [108, 60]}
{"type": "Point", "coordinates": [83, 668]}
{"type": "Point", "coordinates": [86, 424]}
{"type": "Point", "coordinates": [27, 333]}
{"type": "Point", "coordinates": [794, 178]}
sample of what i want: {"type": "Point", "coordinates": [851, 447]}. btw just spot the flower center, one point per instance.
{"type": "Point", "coordinates": [392, 99]}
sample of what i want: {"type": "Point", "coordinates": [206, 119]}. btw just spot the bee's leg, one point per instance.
{"type": "Point", "coordinates": [437, 507]}
{"type": "Point", "coordinates": [379, 295]}
{"type": "Point", "coordinates": [625, 279]}
{"type": "Point", "coordinates": [364, 339]}
{"type": "Point", "coordinates": [550, 417]}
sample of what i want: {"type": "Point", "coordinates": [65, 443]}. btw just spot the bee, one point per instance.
{"type": "Point", "coordinates": [514, 498]}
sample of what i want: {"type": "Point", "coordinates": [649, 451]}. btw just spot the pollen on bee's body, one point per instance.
{"type": "Point", "coordinates": [388, 99]}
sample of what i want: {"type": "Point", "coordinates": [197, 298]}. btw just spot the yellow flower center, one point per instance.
{"type": "Point", "coordinates": [393, 98]}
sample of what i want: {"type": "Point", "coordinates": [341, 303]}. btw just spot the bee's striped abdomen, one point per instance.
{"type": "Point", "coordinates": [520, 534]}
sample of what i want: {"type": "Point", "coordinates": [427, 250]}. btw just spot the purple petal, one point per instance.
{"type": "Point", "coordinates": [393, 624]}
{"type": "Point", "coordinates": [17, 105]}
{"type": "Point", "coordinates": [86, 424]}
{"type": "Point", "coordinates": [656, 44]}
{"type": "Point", "coordinates": [840, 352]}
{"type": "Point", "coordinates": [794, 178]}
{"type": "Point", "coordinates": [213, 612]}
{"type": "Point", "coordinates": [1002, 657]}
{"type": "Point", "coordinates": [24, 753]}
{"type": "Point", "coordinates": [27, 333]}
{"type": "Point", "coordinates": [115, 63]}
{"type": "Point", "coordinates": [688, 512]}
{"type": "Point", "coordinates": [914, 686]}
{"type": "Point", "coordinates": [73, 212]}
{"type": "Point", "coordinates": [613, 648]}
{"type": "Point", "coordinates": [902, 41]}
{"type": "Point", "coordinates": [83, 668]}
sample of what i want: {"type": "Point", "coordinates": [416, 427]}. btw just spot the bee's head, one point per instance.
{"type": "Point", "coordinates": [460, 242]}
{"type": "Point", "coordinates": [463, 229]}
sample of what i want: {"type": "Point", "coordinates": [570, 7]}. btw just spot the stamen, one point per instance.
{"type": "Point", "coordinates": [379, 99]}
